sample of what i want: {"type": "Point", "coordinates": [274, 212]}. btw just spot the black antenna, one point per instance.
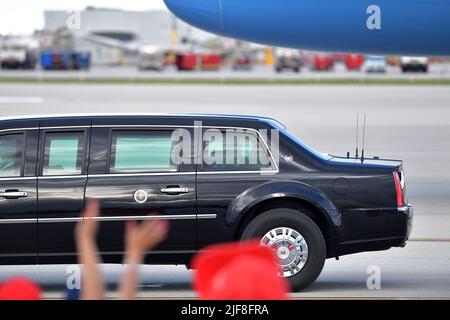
{"type": "Point", "coordinates": [364, 139]}
{"type": "Point", "coordinates": [357, 135]}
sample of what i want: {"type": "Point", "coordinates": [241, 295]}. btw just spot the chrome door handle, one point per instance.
{"type": "Point", "coordinates": [175, 190]}
{"type": "Point", "coordinates": [13, 194]}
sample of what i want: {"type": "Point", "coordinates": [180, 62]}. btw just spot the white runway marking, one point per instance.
{"type": "Point", "coordinates": [31, 100]}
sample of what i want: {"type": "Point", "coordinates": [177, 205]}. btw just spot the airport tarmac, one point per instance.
{"type": "Point", "coordinates": [437, 71]}
{"type": "Point", "coordinates": [405, 122]}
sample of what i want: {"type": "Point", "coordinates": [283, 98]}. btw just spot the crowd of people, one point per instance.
{"type": "Point", "coordinates": [230, 271]}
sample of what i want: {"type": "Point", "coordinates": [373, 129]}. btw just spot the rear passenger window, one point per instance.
{"type": "Point", "coordinates": [141, 151]}
{"type": "Point", "coordinates": [234, 150]}
{"type": "Point", "coordinates": [11, 155]}
{"type": "Point", "coordinates": [63, 154]}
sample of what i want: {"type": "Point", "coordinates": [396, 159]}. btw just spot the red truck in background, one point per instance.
{"type": "Point", "coordinates": [186, 61]}
{"type": "Point", "coordinates": [322, 62]}
{"type": "Point", "coordinates": [354, 61]}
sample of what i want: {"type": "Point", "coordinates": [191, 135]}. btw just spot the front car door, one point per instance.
{"type": "Point", "coordinates": [61, 185]}
{"type": "Point", "coordinates": [132, 173]}
{"type": "Point", "coordinates": [18, 196]}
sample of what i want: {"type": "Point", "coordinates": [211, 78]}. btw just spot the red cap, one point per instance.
{"type": "Point", "coordinates": [20, 289]}
{"type": "Point", "coordinates": [238, 271]}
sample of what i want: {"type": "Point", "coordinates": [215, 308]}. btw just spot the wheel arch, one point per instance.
{"type": "Point", "coordinates": [282, 191]}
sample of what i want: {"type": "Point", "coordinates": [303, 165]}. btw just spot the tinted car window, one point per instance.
{"type": "Point", "coordinates": [141, 151]}
{"type": "Point", "coordinates": [232, 150]}
{"type": "Point", "coordinates": [11, 155]}
{"type": "Point", "coordinates": [63, 154]}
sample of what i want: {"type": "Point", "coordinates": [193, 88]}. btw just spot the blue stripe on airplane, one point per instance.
{"type": "Point", "coordinates": [406, 27]}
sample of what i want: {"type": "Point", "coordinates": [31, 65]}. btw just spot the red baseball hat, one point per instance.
{"type": "Point", "coordinates": [238, 271]}
{"type": "Point", "coordinates": [19, 289]}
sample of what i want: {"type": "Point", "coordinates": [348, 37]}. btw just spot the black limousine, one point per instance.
{"type": "Point", "coordinates": [216, 178]}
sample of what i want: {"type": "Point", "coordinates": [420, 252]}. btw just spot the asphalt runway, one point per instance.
{"type": "Point", "coordinates": [405, 122]}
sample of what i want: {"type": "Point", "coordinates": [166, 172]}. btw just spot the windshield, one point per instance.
{"type": "Point", "coordinates": [377, 59]}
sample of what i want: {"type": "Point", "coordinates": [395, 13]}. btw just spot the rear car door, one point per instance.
{"type": "Point", "coordinates": [18, 196]}
{"type": "Point", "coordinates": [61, 185]}
{"type": "Point", "coordinates": [234, 161]}
{"type": "Point", "coordinates": [132, 173]}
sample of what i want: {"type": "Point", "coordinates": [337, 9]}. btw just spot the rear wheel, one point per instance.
{"type": "Point", "coordinates": [295, 239]}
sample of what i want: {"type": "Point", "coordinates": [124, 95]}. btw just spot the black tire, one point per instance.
{"type": "Point", "coordinates": [299, 221]}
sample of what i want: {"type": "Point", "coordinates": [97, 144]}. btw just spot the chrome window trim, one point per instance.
{"type": "Point", "coordinates": [64, 127]}
{"type": "Point", "coordinates": [44, 128]}
{"type": "Point", "coordinates": [164, 126]}
{"type": "Point", "coordinates": [110, 218]}
{"type": "Point", "coordinates": [18, 129]}
{"type": "Point", "coordinates": [275, 167]}
{"type": "Point", "coordinates": [274, 163]}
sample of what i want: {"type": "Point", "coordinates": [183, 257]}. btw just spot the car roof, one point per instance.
{"type": "Point", "coordinates": [270, 121]}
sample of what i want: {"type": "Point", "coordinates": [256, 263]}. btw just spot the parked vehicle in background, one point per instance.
{"type": "Point", "coordinates": [288, 59]}
{"type": "Point", "coordinates": [322, 62]}
{"type": "Point", "coordinates": [393, 61]}
{"type": "Point", "coordinates": [414, 64]}
{"type": "Point", "coordinates": [439, 59]}
{"type": "Point", "coordinates": [170, 58]}
{"type": "Point", "coordinates": [17, 56]}
{"type": "Point", "coordinates": [151, 58]}
{"type": "Point", "coordinates": [376, 64]}
{"type": "Point", "coordinates": [65, 60]}
{"type": "Point", "coordinates": [211, 61]}
{"type": "Point", "coordinates": [242, 62]}
{"type": "Point", "coordinates": [354, 61]}
{"type": "Point", "coordinates": [186, 61]}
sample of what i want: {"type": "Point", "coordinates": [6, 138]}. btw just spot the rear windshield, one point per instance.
{"type": "Point", "coordinates": [300, 144]}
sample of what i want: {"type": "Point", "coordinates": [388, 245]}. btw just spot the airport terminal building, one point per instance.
{"type": "Point", "coordinates": [110, 34]}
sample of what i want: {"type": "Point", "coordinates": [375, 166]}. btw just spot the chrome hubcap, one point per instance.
{"type": "Point", "coordinates": [290, 248]}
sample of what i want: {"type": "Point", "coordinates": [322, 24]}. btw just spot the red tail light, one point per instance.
{"type": "Point", "coordinates": [399, 190]}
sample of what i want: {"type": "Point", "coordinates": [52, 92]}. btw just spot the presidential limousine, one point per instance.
{"type": "Point", "coordinates": [216, 178]}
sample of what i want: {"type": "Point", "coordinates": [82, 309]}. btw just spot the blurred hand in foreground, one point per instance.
{"type": "Point", "coordinates": [85, 234]}
{"type": "Point", "coordinates": [139, 239]}
{"type": "Point", "coordinates": [88, 227]}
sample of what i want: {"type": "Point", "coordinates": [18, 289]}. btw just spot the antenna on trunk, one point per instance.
{"type": "Point", "coordinates": [357, 136]}
{"type": "Point", "coordinates": [364, 139]}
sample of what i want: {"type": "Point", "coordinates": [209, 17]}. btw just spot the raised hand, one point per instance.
{"type": "Point", "coordinates": [92, 287]}
{"type": "Point", "coordinates": [88, 227]}
{"type": "Point", "coordinates": [142, 238]}
{"type": "Point", "coordinates": [139, 239]}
